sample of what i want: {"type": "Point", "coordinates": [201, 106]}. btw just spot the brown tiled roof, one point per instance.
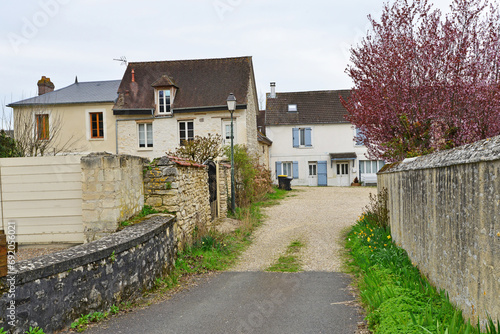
{"type": "Point", "coordinates": [317, 107]}
{"type": "Point", "coordinates": [201, 83]}
{"type": "Point", "coordinates": [263, 139]}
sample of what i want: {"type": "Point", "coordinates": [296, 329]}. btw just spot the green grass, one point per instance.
{"type": "Point", "coordinates": [146, 210]}
{"type": "Point", "coordinates": [397, 297]}
{"type": "Point", "coordinates": [289, 262]}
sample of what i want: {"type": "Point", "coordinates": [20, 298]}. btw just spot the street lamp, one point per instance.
{"type": "Point", "coordinates": [231, 106]}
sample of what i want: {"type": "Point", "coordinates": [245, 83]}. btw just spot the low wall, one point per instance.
{"type": "Point", "coordinates": [112, 191]}
{"type": "Point", "coordinates": [445, 211]}
{"type": "Point", "coordinates": [180, 187]}
{"type": "Point", "coordinates": [53, 290]}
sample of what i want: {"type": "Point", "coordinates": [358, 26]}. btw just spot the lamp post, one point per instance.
{"type": "Point", "coordinates": [231, 106]}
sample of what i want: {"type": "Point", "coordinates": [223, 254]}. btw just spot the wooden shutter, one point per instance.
{"type": "Point", "coordinates": [295, 169]}
{"type": "Point", "coordinates": [322, 173]}
{"type": "Point", "coordinates": [308, 133]}
{"type": "Point", "coordinates": [295, 137]}
{"type": "Point", "coordinates": [278, 168]}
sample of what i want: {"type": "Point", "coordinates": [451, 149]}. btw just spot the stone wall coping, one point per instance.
{"type": "Point", "coordinates": [480, 151]}
{"type": "Point", "coordinates": [74, 257]}
{"type": "Point", "coordinates": [179, 161]}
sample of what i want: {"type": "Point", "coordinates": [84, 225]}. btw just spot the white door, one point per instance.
{"type": "Point", "coordinates": [343, 174]}
{"type": "Point", "coordinates": [313, 174]}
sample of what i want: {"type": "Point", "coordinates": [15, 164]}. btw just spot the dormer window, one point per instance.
{"type": "Point", "coordinates": [164, 101]}
{"type": "Point", "coordinates": [292, 108]}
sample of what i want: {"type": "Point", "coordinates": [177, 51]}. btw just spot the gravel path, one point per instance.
{"type": "Point", "coordinates": [314, 215]}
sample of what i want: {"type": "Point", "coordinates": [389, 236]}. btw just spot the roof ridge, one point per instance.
{"type": "Point", "coordinates": [316, 91]}
{"type": "Point", "coordinates": [186, 60]}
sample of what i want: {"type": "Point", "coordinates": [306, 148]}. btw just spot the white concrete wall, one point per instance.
{"type": "Point", "coordinates": [166, 131]}
{"type": "Point", "coordinates": [326, 139]}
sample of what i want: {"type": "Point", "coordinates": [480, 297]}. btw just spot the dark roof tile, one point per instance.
{"type": "Point", "coordinates": [315, 107]}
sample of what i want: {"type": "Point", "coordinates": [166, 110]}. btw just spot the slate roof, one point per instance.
{"type": "Point", "coordinates": [314, 107]}
{"type": "Point", "coordinates": [201, 83]}
{"type": "Point", "coordinates": [81, 92]}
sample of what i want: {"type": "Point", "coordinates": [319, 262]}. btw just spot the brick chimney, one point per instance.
{"type": "Point", "coordinates": [45, 86]}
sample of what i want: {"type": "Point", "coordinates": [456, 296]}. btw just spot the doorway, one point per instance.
{"type": "Point", "coordinates": [343, 176]}
{"type": "Point", "coordinates": [312, 178]}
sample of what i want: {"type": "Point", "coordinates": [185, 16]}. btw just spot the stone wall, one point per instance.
{"type": "Point", "coordinates": [52, 291]}
{"type": "Point", "coordinates": [181, 187]}
{"type": "Point", "coordinates": [445, 211]}
{"type": "Point", "coordinates": [112, 191]}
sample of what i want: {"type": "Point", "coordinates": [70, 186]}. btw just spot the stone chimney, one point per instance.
{"type": "Point", "coordinates": [45, 86]}
{"type": "Point", "coordinates": [273, 90]}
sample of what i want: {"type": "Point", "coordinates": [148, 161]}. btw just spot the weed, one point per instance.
{"type": "Point", "coordinates": [288, 262]}
{"type": "Point", "coordinates": [2, 331]}
{"type": "Point", "coordinates": [114, 309]}
{"type": "Point", "coordinates": [112, 257]}
{"type": "Point", "coordinates": [168, 185]}
{"type": "Point", "coordinates": [125, 223]}
{"type": "Point", "coordinates": [398, 298]}
{"type": "Point", "coordinates": [35, 330]}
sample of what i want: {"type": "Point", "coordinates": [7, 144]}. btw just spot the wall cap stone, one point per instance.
{"type": "Point", "coordinates": [480, 151]}
{"type": "Point", "coordinates": [64, 260]}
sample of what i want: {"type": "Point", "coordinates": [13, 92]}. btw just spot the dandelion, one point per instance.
{"type": "Point", "coordinates": [368, 240]}
{"type": "Point", "coordinates": [388, 237]}
{"type": "Point", "coordinates": [385, 245]}
{"type": "Point", "coordinates": [498, 234]}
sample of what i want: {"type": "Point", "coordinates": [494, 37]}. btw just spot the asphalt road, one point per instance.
{"type": "Point", "coordinates": [249, 302]}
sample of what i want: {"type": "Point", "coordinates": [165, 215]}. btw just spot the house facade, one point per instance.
{"type": "Point", "coordinates": [313, 142]}
{"type": "Point", "coordinates": [74, 119]}
{"type": "Point", "coordinates": [162, 104]}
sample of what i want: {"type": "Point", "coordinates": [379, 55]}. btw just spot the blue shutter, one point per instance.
{"type": "Point", "coordinates": [308, 132]}
{"type": "Point", "coordinates": [295, 170]}
{"type": "Point", "coordinates": [322, 173]}
{"type": "Point", "coordinates": [295, 137]}
{"type": "Point", "coordinates": [278, 168]}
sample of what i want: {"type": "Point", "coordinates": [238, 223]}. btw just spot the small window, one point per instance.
{"type": "Point", "coordinates": [292, 108]}
{"type": "Point", "coordinates": [96, 125]}
{"type": "Point", "coordinates": [287, 169]}
{"type": "Point", "coordinates": [42, 127]}
{"type": "Point", "coordinates": [145, 135]}
{"type": "Point", "coordinates": [227, 132]}
{"type": "Point", "coordinates": [164, 101]}
{"type": "Point", "coordinates": [359, 137]}
{"type": "Point", "coordinates": [186, 131]}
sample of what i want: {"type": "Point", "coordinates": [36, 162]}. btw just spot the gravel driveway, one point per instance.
{"type": "Point", "coordinates": [314, 215]}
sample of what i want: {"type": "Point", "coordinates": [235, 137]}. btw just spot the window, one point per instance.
{"type": "Point", "coordinates": [302, 137]}
{"type": "Point", "coordinates": [370, 166]}
{"type": "Point", "coordinates": [287, 169]}
{"type": "Point", "coordinates": [313, 169]}
{"type": "Point", "coordinates": [42, 127]}
{"type": "Point", "coordinates": [226, 127]}
{"type": "Point", "coordinates": [145, 135]}
{"type": "Point", "coordinates": [342, 169]}
{"type": "Point", "coordinates": [359, 137]}
{"type": "Point", "coordinates": [96, 125]}
{"type": "Point", "coordinates": [186, 131]}
{"type": "Point", "coordinates": [164, 101]}
{"type": "Point", "coordinates": [292, 108]}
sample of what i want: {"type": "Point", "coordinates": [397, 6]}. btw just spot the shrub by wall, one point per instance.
{"type": "Point", "coordinates": [444, 210]}
{"type": "Point", "coordinates": [53, 290]}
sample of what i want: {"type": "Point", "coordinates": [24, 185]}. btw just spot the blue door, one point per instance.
{"type": "Point", "coordinates": [322, 173]}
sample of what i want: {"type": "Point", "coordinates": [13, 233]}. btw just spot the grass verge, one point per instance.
{"type": "Point", "coordinates": [397, 298]}
{"type": "Point", "coordinates": [289, 262]}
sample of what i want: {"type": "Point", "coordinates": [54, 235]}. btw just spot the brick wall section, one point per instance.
{"type": "Point", "coordinates": [54, 290]}
{"type": "Point", "coordinates": [180, 187]}
{"type": "Point", "coordinates": [445, 211]}
{"type": "Point", "coordinates": [112, 191]}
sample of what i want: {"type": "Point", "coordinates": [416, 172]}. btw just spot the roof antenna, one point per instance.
{"type": "Point", "coordinates": [123, 59]}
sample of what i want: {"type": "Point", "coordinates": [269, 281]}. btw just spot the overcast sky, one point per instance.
{"type": "Point", "coordinates": [301, 45]}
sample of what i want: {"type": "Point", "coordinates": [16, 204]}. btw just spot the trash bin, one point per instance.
{"type": "Point", "coordinates": [284, 182]}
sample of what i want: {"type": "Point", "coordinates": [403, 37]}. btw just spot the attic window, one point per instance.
{"type": "Point", "coordinates": [292, 108]}
{"type": "Point", "coordinates": [164, 101]}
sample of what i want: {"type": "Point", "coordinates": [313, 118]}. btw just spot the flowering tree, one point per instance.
{"type": "Point", "coordinates": [424, 82]}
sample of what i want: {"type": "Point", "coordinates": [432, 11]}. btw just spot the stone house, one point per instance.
{"type": "Point", "coordinates": [161, 104]}
{"type": "Point", "coordinates": [312, 140]}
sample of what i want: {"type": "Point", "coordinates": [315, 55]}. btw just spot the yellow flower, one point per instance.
{"type": "Point", "coordinates": [388, 237]}
{"type": "Point", "coordinates": [498, 234]}
{"type": "Point", "coordinates": [385, 245]}
{"type": "Point", "coordinates": [368, 239]}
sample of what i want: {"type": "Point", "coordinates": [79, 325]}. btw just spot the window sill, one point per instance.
{"type": "Point", "coordinates": [143, 149]}
{"type": "Point", "coordinates": [304, 147]}
{"type": "Point", "coordinates": [96, 139]}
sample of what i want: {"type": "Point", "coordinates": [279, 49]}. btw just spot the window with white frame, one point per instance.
{"type": "Point", "coordinates": [287, 168]}
{"type": "Point", "coordinates": [145, 131]}
{"type": "Point", "coordinates": [358, 137]}
{"type": "Point", "coordinates": [186, 131]}
{"type": "Point", "coordinates": [226, 130]}
{"type": "Point", "coordinates": [370, 166]}
{"type": "Point", "coordinates": [302, 137]}
{"type": "Point", "coordinates": [164, 101]}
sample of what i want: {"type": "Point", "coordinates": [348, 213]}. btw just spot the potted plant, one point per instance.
{"type": "Point", "coordinates": [356, 182]}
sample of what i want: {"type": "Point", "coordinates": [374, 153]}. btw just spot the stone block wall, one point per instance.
{"type": "Point", "coordinates": [112, 191]}
{"type": "Point", "coordinates": [180, 187]}
{"type": "Point", "coordinates": [445, 212]}
{"type": "Point", "coordinates": [51, 291]}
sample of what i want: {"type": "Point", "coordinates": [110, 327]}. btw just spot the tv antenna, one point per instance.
{"type": "Point", "coordinates": [123, 59]}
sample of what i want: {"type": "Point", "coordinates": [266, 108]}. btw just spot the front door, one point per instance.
{"type": "Point", "coordinates": [313, 174]}
{"type": "Point", "coordinates": [343, 174]}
